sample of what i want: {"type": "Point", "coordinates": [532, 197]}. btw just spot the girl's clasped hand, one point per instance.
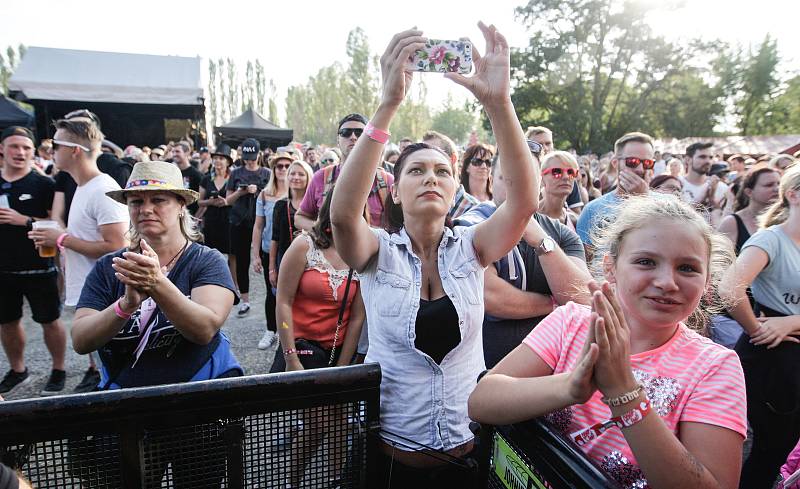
{"type": "Point", "coordinates": [605, 361]}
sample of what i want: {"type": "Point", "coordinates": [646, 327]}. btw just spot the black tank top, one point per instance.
{"type": "Point", "coordinates": [742, 234]}
{"type": "Point", "coordinates": [437, 328]}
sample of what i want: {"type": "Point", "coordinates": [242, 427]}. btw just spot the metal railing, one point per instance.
{"type": "Point", "coordinates": [311, 428]}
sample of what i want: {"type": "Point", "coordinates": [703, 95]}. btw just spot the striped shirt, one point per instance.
{"type": "Point", "coordinates": [462, 203]}
{"type": "Point", "coordinates": [687, 379]}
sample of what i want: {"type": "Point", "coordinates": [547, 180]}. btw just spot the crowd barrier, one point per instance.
{"type": "Point", "coordinates": [533, 455]}
{"type": "Point", "coordinates": [253, 432]}
{"type": "Point", "coordinates": [230, 433]}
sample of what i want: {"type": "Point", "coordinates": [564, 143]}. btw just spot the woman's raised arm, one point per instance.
{"type": "Point", "coordinates": [358, 172]}
{"type": "Point", "coordinates": [491, 86]}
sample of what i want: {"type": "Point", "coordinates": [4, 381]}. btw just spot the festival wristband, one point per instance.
{"type": "Point", "coordinates": [119, 312]}
{"type": "Point", "coordinates": [288, 352]}
{"type": "Point", "coordinates": [638, 413]}
{"type": "Point", "coordinates": [624, 398]}
{"type": "Point", "coordinates": [60, 241]}
{"type": "Point", "coordinates": [376, 134]}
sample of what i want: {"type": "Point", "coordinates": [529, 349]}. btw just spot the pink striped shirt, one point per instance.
{"type": "Point", "coordinates": [687, 379]}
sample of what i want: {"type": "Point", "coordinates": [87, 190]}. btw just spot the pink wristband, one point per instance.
{"type": "Point", "coordinates": [376, 134]}
{"type": "Point", "coordinates": [119, 312]}
{"type": "Point", "coordinates": [60, 241]}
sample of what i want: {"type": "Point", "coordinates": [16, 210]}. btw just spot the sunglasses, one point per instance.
{"type": "Point", "coordinates": [559, 172]}
{"type": "Point", "coordinates": [534, 147]}
{"type": "Point", "coordinates": [479, 162]}
{"type": "Point", "coordinates": [328, 160]}
{"type": "Point", "coordinates": [57, 144]}
{"type": "Point", "coordinates": [83, 113]}
{"type": "Point", "coordinates": [348, 131]}
{"type": "Point", "coordinates": [633, 162]}
{"type": "Point", "coordinates": [282, 167]}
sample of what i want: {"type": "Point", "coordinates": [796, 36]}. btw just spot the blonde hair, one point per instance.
{"type": "Point", "coordinates": [272, 184]}
{"type": "Point", "coordinates": [536, 130]}
{"type": "Point", "coordinates": [636, 212]}
{"type": "Point", "coordinates": [560, 156]}
{"type": "Point", "coordinates": [631, 137]}
{"type": "Point", "coordinates": [82, 131]}
{"type": "Point", "coordinates": [778, 212]}
{"type": "Point", "coordinates": [773, 162]}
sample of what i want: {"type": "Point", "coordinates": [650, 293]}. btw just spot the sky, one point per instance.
{"type": "Point", "coordinates": [294, 39]}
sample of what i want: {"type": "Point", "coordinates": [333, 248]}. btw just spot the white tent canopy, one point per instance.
{"type": "Point", "coordinates": [95, 76]}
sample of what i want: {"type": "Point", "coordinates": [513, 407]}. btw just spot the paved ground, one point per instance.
{"type": "Point", "coordinates": [243, 332]}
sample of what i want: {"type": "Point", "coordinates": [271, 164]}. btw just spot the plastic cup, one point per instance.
{"type": "Point", "coordinates": [46, 251]}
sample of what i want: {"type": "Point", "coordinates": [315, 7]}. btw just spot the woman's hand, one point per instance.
{"type": "Point", "coordinates": [132, 299]}
{"type": "Point", "coordinates": [273, 278]}
{"type": "Point", "coordinates": [293, 363]}
{"type": "Point", "coordinates": [772, 331]}
{"type": "Point", "coordinates": [491, 81]}
{"type": "Point", "coordinates": [258, 267]}
{"type": "Point", "coordinates": [395, 65]}
{"type": "Point", "coordinates": [141, 271]}
{"type": "Point", "coordinates": [580, 381]}
{"type": "Point", "coordinates": [612, 372]}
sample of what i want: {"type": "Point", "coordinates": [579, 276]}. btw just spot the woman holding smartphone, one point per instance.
{"type": "Point", "coordinates": [212, 199]}
{"type": "Point", "coordinates": [422, 281]}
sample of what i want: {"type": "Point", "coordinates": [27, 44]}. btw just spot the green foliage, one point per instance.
{"type": "Point", "coordinates": [9, 63]}
{"type": "Point", "coordinates": [593, 70]}
{"type": "Point", "coordinates": [456, 122]}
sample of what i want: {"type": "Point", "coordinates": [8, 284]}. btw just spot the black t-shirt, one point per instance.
{"type": "Point", "coordinates": [191, 179]}
{"type": "Point", "coordinates": [31, 195]}
{"type": "Point", "coordinates": [244, 209]}
{"type": "Point", "coordinates": [67, 185]}
{"type": "Point", "coordinates": [574, 198]}
{"type": "Point", "coordinates": [283, 226]}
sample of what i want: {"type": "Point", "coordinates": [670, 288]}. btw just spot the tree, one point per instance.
{"type": "Point", "coordinates": [212, 92]}
{"type": "Point", "coordinates": [361, 76]}
{"type": "Point", "coordinates": [413, 117]}
{"type": "Point", "coordinates": [233, 88]}
{"type": "Point", "coordinates": [456, 122]}
{"type": "Point", "coordinates": [9, 63]}
{"type": "Point", "coordinates": [591, 69]}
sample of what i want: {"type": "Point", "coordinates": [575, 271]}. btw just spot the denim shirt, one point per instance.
{"type": "Point", "coordinates": [421, 400]}
{"type": "Point", "coordinates": [264, 209]}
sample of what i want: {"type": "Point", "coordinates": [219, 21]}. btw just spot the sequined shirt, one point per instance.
{"type": "Point", "coordinates": [687, 379]}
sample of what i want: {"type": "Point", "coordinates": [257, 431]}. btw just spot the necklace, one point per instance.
{"type": "Point", "coordinates": [170, 263]}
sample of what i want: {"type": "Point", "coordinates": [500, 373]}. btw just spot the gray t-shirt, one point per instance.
{"type": "Point", "coordinates": [778, 284]}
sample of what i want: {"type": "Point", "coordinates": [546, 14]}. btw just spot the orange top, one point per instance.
{"type": "Point", "coordinates": [316, 307]}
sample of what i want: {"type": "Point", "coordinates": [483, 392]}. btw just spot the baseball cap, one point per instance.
{"type": "Point", "coordinates": [352, 117]}
{"type": "Point", "coordinates": [719, 168]}
{"type": "Point", "coordinates": [16, 131]}
{"type": "Point", "coordinates": [250, 149]}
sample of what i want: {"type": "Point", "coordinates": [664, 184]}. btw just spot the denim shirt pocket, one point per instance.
{"type": "Point", "coordinates": [393, 290]}
{"type": "Point", "coordinates": [464, 275]}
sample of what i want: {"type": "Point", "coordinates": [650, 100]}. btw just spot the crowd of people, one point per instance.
{"type": "Point", "coordinates": [646, 303]}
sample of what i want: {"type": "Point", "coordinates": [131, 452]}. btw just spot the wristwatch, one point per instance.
{"type": "Point", "coordinates": [547, 245]}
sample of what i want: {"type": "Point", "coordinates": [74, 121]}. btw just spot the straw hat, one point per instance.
{"type": "Point", "coordinates": [282, 155]}
{"type": "Point", "coordinates": [155, 176]}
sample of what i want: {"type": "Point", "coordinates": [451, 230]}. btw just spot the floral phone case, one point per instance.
{"type": "Point", "coordinates": [442, 56]}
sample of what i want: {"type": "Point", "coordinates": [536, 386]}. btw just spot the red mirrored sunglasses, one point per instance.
{"type": "Point", "coordinates": [633, 162]}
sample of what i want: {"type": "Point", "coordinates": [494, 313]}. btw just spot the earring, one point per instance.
{"type": "Point", "coordinates": [181, 215]}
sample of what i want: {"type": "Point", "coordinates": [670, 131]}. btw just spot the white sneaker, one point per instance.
{"type": "Point", "coordinates": [244, 308]}
{"type": "Point", "coordinates": [267, 340]}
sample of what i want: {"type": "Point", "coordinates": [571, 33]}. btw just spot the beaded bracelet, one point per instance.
{"type": "Point", "coordinates": [288, 352]}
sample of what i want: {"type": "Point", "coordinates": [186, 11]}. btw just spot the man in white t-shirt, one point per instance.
{"type": "Point", "coordinates": [97, 224]}
{"type": "Point", "coordinates": [698, 187]}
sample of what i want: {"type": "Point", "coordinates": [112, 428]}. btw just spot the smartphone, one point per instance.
{"type": "Point", "coordinates": [242, 185]}
{"type": "Point", "coordinates": [444, 56]}
{"type": "Point", "coordinates": [4, 202]}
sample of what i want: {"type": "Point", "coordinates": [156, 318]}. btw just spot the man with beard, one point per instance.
{"type": "Point", "coordinates": [698, 186]}
{"type": "Point", "coordinates": [350, 129]}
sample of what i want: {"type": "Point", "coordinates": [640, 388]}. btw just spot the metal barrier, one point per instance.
{"type": "Point", "coordinates": [534, 455]}
{"type": "Point", "coordinates": [314, 428]}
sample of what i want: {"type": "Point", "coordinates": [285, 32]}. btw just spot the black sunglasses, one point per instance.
{"type": "Point", "coordinates": [348, 131]}
{"type": "Point", "coordinates": [328, 160]}
{"type": "Point", "coordinates": [479, 162]}
{"type": "Point", "coordinates": [282, 166]}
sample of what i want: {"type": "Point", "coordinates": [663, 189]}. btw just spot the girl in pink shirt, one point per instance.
{"type": "Point", "coordinates": [675, 399]}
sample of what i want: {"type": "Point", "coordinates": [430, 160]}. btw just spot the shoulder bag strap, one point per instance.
{"type": "Point", "coordinates": [341, 315]}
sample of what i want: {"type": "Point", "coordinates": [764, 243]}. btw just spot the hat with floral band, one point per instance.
{"type": "Point", "coordinates": [159, 176]}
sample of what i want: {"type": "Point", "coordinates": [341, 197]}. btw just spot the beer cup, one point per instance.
{"type": "Point", "coordinates": [46, 251]}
